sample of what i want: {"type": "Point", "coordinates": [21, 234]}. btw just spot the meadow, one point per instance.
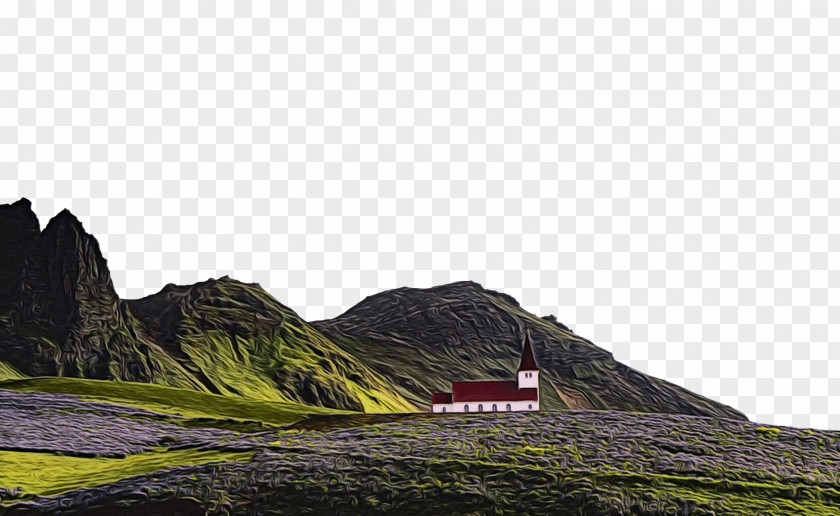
{"type": "Point", "coordinates": [131, 460]}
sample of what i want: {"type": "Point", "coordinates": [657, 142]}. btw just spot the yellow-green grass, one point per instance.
{"type": "Point", "coordinates": [44, 474]}
{"type": "Point", "coordinates": [172, 400]}
{"type": "Point", "coordinates": [240, 366]}
{"type": "Point", "coordinates": [380, 401]}
{"type": "Point", "coordinates": [8, 372]}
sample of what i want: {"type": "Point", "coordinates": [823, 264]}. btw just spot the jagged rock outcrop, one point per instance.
{"type": "Point", "coordinates": [19, 230]}
{"type": "Point", "coordinates": [66, 290]}
{"type": "Point", "coordinates": [65, 316]}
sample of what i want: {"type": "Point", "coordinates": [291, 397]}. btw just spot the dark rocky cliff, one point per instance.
{"type": "Point", "coordinates": [19, 230]}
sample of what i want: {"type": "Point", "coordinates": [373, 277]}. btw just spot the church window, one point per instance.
{"type": "Point", "coordinates": [494, 407]}
{"type": "Point", "coordinates": [508, 407]}
{"type": "Point", "coordinates": [466, 408]}
{"type": "Point", "coordinates": [480, 407]}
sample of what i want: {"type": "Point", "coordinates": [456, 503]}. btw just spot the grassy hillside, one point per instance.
{"type": "Point", "coordinates": [423, 339]}
{"type": "Point", "coordinates": [237, 339]}
{"type": "Point", "coordinates": [218, 337]}
{"type": "Point", "coordinates": [171, 400]}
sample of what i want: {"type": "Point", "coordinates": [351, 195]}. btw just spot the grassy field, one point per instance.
{"type": "Point", "coordinates": [574, 462]}
{"type": "Point", "coordinates": [172, 400]}
{"type": "Point", "coordinates": [70, 446]}
{"type": "Point", "coordinates": [43, 474]}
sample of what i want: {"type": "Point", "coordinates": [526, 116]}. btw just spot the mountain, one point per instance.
{"type": "Point", "coordinates": [60, 316]}
{"type": "Point", "coordinates": [64, 318]}
{"type": "Point", "coordinates": [423, 339]}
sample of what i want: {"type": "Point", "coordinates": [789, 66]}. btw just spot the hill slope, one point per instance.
{"type": "Point", "coordinates": [422, 339]}
{"type": "Point", "coordinates": [239, 340]}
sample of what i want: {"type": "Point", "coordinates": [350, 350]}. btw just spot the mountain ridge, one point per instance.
{"type": "Point", "coordinates": [401, 324]}
{"type": "Point", "coordinates": [386, 353]}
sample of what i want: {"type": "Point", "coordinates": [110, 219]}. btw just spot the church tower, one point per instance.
{"type": "Point", "coordinates": [528, 373]}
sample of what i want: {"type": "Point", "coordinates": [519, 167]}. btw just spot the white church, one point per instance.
{"type": "Point", "coordinates": [520, 395]}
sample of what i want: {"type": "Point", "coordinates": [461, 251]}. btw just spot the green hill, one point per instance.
{"type": "Point", "coordinates": [237, 339]}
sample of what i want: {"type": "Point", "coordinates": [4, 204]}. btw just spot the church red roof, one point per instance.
{"type": "Point", "coordinates": [491, 391]}
{"type": "Point", "coordinates": [442, 397]}
{"type": "Point", "coordinates": [528, 363]}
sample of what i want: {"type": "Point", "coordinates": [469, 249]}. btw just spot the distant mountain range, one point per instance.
{"type": "Point", "coordinates": [60, 316]}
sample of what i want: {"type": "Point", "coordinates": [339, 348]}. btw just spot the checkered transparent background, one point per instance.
{"type": "Point", "coordinates": [655, 174]}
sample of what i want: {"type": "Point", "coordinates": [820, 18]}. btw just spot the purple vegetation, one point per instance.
{"type": "Point", "coordinates": [540, 463]}
{"type": "Point", "coordinates": [61, 424]}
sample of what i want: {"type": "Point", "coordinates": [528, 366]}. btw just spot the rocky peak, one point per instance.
{"type": "Point", "coordinates": [65, 275]}
{"type": "Point", "coordinates": [19, 229]}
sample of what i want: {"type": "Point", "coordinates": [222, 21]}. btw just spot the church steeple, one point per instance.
{"type": "Point", "coordinates": [527, 363]}
{"type": "Point", "coordinates": [528, 374]}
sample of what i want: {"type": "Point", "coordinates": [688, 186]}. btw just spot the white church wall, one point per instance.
{"type": "Point", "coordinates": [487, 406]}
{"type": "Point", "coordinates": [528, 379]}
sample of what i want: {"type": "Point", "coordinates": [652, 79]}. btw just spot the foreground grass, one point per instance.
{"type": "Point", "coordinates": [172, 400]}
{"type": "Point", "coordinates": [45, 474]}
{"type": "Point", "coordinates": [609, 491]}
